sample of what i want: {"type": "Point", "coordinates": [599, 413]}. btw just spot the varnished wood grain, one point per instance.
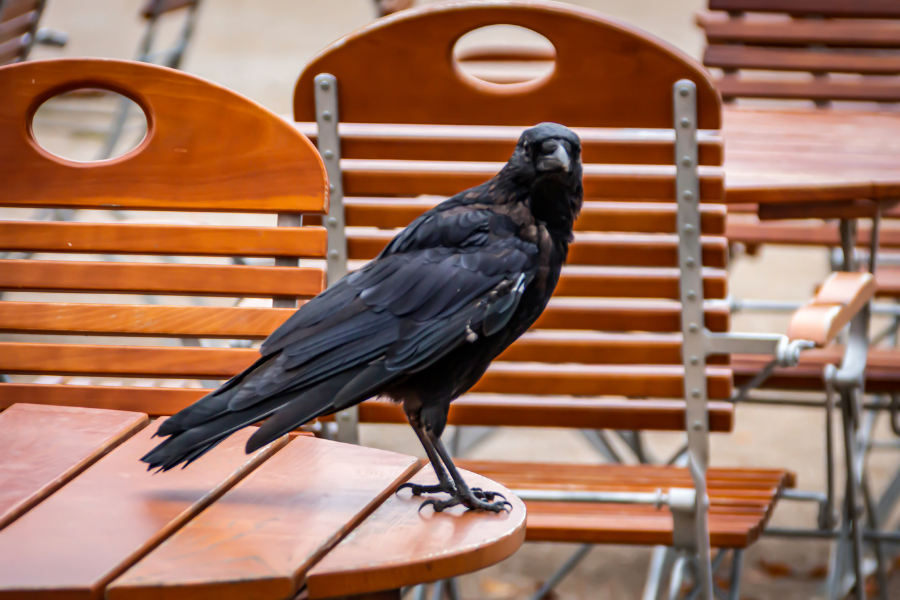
{"type": "Point", "coordinates": [228, 322]}
{"type": "Point", "coordinates": [838, 300]}
{"type": "Point", "coordinates": [257, 163]}
{"type": "Point", "coordinates": [867, 9]}
{"type": "Point", "coordinates": [397, 546]}
{"type": "Point", "coordinates": [740, 501]}
{"type": "Point", "coordinates": [75, 542]}
{"type": "Point", "coordinates": [424, 53]}
{"type": "Point", "coordinates": [239, 281]}
{"type": "Point", "coordinates": [496, 143]}
{"type": "Point", "coordinates": [184, 240]}
{"type": "Point", "coordinates": [43, 447]}
{"type": "Point", "coordinates": [631, 217]}
{"type": "Point", "coordinates": [261, 538]}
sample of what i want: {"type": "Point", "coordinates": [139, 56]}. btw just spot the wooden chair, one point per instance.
{"type": "Point", "coordinates": [414, 126]}
{"type": "Point", "coordinates": [19, 20]}
{"type": "Point", "coordinates": [188, 163]}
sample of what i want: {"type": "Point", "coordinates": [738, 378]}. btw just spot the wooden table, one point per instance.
{"type": "Point", "coordinates": [80, 517]}
{"type": "Point", "coordinates": [802, 155]}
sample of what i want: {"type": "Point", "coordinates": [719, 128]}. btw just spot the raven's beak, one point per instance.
{"type": "Point", "coordinates": [558, 161]}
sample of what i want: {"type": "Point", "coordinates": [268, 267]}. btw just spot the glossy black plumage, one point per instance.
{"type": "Point", "coordinates": [420, 323]}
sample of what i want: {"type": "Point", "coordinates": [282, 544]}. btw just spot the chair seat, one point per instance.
{"type": "Point", "coordinates": [882, 370]}
{"type": "Point", "coordinates": [887, 282]}
{"type": "Point", "coordinates": [741, 501]}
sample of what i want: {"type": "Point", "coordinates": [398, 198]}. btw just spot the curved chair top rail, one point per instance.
{"type": "Point", "coordinates": [401, 69]}
{"type": "Point", "coordinates": [206, 149]}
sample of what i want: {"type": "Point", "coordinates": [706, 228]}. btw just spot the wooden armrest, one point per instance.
{"type": "Point", "coordinates": [838, 300]}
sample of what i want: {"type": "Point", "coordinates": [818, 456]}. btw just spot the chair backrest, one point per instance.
{"type": "Point", "coordinates": [18, 24]}
{"type": "Point", "coordinates": [207, 150]}
{"type": "Point", "coordinates": [414, 126]}
{"type": "Point", "coordinates": [823, 50]}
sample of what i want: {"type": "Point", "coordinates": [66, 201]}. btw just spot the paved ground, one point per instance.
{"type": "Point", "coordinates": [258, 49]}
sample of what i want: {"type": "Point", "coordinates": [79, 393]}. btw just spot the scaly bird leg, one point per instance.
{"type": "Point", "coordinates": [444, 484]}
{"type": "Point", "coordinates": [473, 499]}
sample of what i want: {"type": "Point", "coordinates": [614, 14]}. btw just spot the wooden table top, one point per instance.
{"type": "Point", "coordinates": [798, 155]}
{"type": "Point", "coordinates": [80, 517]}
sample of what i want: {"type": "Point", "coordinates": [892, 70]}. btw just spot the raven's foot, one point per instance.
{"type": "Point", "coordinates": [417, 489]}
{"type": "Point", "coordinates": [475, 500]}
{"type": "Point", "coordinates": [446, 488]}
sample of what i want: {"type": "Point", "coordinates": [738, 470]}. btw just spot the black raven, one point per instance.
{"type": "Point", "coordinates": [419, 324]}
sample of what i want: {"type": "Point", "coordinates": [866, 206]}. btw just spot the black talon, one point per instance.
{"type": "Point", "coordinates": [486, 495]}
{"type": "Point", "coordinates": [418, 489]}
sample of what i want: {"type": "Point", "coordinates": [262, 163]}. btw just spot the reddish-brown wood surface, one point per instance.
{"type": "Point", "coordinates": [838, 300]}
{"type": "Point", "coordinates": [75, 542]}
{"type": "Point", "coordinates": [43, 447]}
{"type": "Point", "coordinates": [492, 143]}
{"type": "Point", "coordinates": [863, 9]}
{"type": "Point", "coordinates": [236, 281]}
{"type": "Point", "coordinates": [261, 537]}
{"type": "Point", "coordinates": [437, 546]}
{"type": "Point", "coordinates": [740, 501]}
{"type": "Point", "coordinates": [796, 155]}
{"type": "Point", "coordinates": [804, 233]}
{"type": "Point", "coordinates": [373, 54]}
{"type": "Point", "coordinates": [167, 239]}
{"type": "Point", "coordinates": [882, 370]}
{"type": "Point", "coordinates": [256, 164]}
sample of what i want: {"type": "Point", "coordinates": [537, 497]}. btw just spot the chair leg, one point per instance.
{"type": "Point", "coordinates": [563, 571]}
{"type": "Point", "coordinates": [852, 494]}
{"type": "Point", "coordinates": [677, 576]}
{"type": "Point", "coordinates": [737, 571]}
{"type": "Point", "coordinates": [661, 560]}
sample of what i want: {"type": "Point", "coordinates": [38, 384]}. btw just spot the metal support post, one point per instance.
{"type": "Point", "coordinates": [329, 144]}
{"type": "Point", "coordinates": [687, 193]}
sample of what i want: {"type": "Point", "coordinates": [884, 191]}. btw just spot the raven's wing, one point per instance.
{"type": "Point", "coordinates": [452, 274]}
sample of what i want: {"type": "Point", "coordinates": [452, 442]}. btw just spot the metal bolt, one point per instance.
{"type": "Point", "coordinates": [684, 91]}
{"type": "Point", "coordinates": [687, 195]}
{"type": "Point", "coordinates": [691, 295]}
{"type": "Point", "coordinates": [689, 228]}
{"type": "Point", "coordinates": [332, 221]}
{"type": "Point", "coordinates": [695, 393]}
{"type": "Point", "coordinates": [326, 115]}
{"type": "Point", "coordinates": [685, 122]}
{"type": "Point", "coordinates": [686, 161]}
{"type": "Point", "coordinates": [333, 254]}
{"type": "Point", "coordinates": [328, 154]}
{"type": "Point", "coordinates": [325, 84]}
{"type": "Point", "coordinates": [694, 360]}
{"type": "Point", "coordinates": [690, 262]}
{"type": "Point", "coordinates": [693, 328]}
{"type": "Point", "coordinates": [331, 187]}
{"type": "Point", "coordinates": [698, 425]}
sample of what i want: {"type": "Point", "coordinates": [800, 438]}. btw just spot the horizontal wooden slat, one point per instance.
{"type": "Point", "coordinates": [534, 411]}
{"type": "Point", "coordinates": [623, 315]}
{"type": "Point", "coordinates": [496, 144]}
{"type": "Point", "coordinates": [210, 322]}
{"type": "Point", "coordinates": [471, 409]}
{"type": "Point", "coordinates": [505, 53]}
{"type": "Point", "coordinates": [14, 8]}
{"type": "Point", "coordinates": [870, 91]}
{"type": "Point", "coordinates": [626, 282]}
{"type": "Point", "coordinates": [142, 278]}
{"type": "Point", "coordinates": [813, 233]}
{"type": "Point", "coordinates": [801, 32]}
{"type": "Point", "coordinates": [741, 501]}
{"type": "Point", "coordinates": [637, 217]}
{"type": "Point", "coordinates": [17, 26]}
{"type": "Point", "coordinates": [872, 62]}
{"type": "Point", "coordinates": [184, 240]}
{"type": "Point", "coordinates": [228, 322]}
{"type": "Point", "coordinates": [588, 249]}
{"type": "Point", "coordinates": [661, 381]}
{"type": "Point", "coordinates": [11, 49]}
{"type": "Point", "coordinates": [412, 178]}
{"type": "Point", "coordinates": [864, 9]}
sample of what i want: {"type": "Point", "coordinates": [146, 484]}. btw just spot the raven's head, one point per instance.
{"type": "Point", "coordinates": [547, 160]}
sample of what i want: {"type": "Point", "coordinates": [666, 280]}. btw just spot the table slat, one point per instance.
{"type": "Point", "coordinates": [398, 546]}
{"type": "Point", "coordinates": [43, 447]}
{"type": "Point", "coordinates": [74, 543]}
{"type": "Point", "coordinates": [260, 539]}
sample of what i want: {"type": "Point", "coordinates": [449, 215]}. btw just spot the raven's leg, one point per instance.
{"type": "Point", "coordinates": [444, 484]}
{"type": "Point", "coordinates": [463, 495]}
